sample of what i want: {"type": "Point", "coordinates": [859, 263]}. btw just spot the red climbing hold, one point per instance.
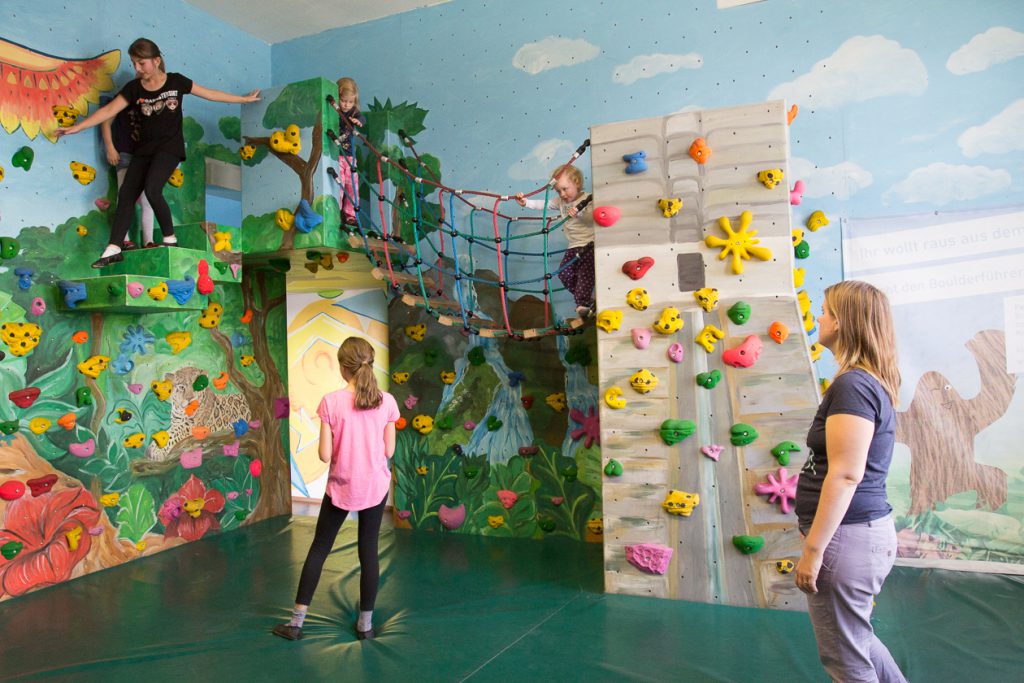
{"type": "Point", "coordinates": [24, 398]}
{"type": "Point", "coordinates": [638, 268]}
{"type": "Point", "coordinates": [606, 216]}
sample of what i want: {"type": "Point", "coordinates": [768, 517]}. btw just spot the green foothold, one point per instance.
{"type": "Point", "coordinates": [782, 451]}
{"type": "Point", "coordinates": [221, 267]}
{"type": "Point", "coordinates": [674, 431]}
{"type": "Point", "coordinates": [546, 524]}
{"type": "Point", "coordinates": [748, 545]}
{"type": "Point", "coordinates": [11, 549]}
{"type": "Point", "coordinates": [802, 250]}
{"type": "Point", "coordinates": [742, 434]}
{"type": "Point", "coordinates": [739, 312]}
{"type": "Point", "coordinates": [312, 255]}
{"type": "Point", "coordinates": [83, 397]}
{"type": "Point", "coordinates": [613, 468]}
{"type": "Point", "coordinates": [115, 290]}
{"type": "Point", "coordinates": [202, 381]}
{"type": "Point", "coordinates": [445, 422]}
{"type": "Point", "coordinates": [579, 354]}
{"type": "Point", "coordinates": [476, 356]}
{"type": "Point", "coordinates": [570, 473]}
{"type": "Point", "coordinates": [470, 471]}
{"type": "Point", "coordinates": [23, 158]}
{"type": "Point", "coordinates": [709, 380]}
{"type": "Point", "coordinates": [493, 423]}
{"type": "Point", "coordinates": [281, 265]}
{"type": "Point", "coordinates": [9, 247]}
{"type": "Point", "coordinates": [430, 357]}
{"type": "Point", "coordinates": [240, 515]}
{"type": "Point", "coordinates": [9, 428]}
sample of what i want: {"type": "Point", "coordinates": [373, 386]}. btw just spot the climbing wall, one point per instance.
{"type": "Point", "coordinates": [656, 541]}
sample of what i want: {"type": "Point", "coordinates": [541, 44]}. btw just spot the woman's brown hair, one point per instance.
{"type": "Point", "coordinates": [356, 359]}
{"type": "Point", "coordinates": [144, 48]}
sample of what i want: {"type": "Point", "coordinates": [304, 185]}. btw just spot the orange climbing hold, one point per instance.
{"type": "Point", "coordinates": [793, 111]}
{"type": "Point", "coordinates": [699, 151]}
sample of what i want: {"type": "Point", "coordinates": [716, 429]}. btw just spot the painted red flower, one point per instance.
{"type": "Point", "coordinates": [41, 524]}
{"type": "Point", "coordinates": [192, 511]}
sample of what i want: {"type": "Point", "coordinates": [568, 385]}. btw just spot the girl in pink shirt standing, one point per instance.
{"type": "Point", "coordinates": [357, 437]}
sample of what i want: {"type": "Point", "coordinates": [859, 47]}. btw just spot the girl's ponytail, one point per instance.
{"type": "Point", "coordinates": [356, 359]}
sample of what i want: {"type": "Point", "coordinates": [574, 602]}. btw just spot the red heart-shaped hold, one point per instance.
{"type": "Point", "coordinates": [605, 216]}
{"type": "Point", "coordinates": [638, 268]}
{"type": "Point", "coordinates": [24, 398]}
{"type": "Point", "coordinates": [41, 485]}
{"type": "Point", "coordinates": [527, 451]}
{"type": "Point", "coordinates": [527, 402]}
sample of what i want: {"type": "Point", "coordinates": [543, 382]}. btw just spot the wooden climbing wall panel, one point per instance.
{"type": "Point", "coordinates": [778, 395]}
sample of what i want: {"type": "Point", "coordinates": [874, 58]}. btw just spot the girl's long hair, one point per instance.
{"type": "Point", "coordinates": [144, 48]}
{"type": "Point", "coordinates": [356, 359]}
{"type": "Point", "coordinates": [866, 336]}
{"type": "Point", "coordinates": [347, 86]}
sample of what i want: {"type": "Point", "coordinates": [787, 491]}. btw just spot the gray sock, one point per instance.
{"type": "Point", "coordinates": [298, 616]}
{"type": "Point", "coordinates": [365, 622]}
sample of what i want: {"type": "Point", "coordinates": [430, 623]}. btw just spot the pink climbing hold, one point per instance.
{"type": "Point", "coordinates": [452, 518]}
{"type": "Point", "coordinates": [135, 388]}
{"type": "Point", "coordinates": [231, 449]}
{"type": "Point", "coordinates": [192, 459]}
{"type": "Point", "coordinates": [782, 489]}
{"type": "Point", "coordinates": [606, 216]}
{"type": "Point", "coordinates": [83, 449]}
{"type": "Point", "coordinates": [641, 337]}
{"type": "Point", "coordinates": [507, 498]}
{"type": "Point", "coordinates": [650, 557]}
{"type": "Point", "coordinates": [135, 289]}
{"type": "Point", "coordinates": [236, 268]}
{"type": "Point", "coordinates": [590, 426]}
{"type": "Point", "coordinates": [282, 407]}
{"type": "Point", "coordinates": [796, 195]}
{"type": "Point", "coordinates": [675, 352]}
{"type": "Point", "coordinates": [744, 355]}
{"type": "Point", "coordinates": [38, 306]}
{"type": "Point", "coordinates": [712, 450]}
{"type": "Point", "coordinates": [102, 203]}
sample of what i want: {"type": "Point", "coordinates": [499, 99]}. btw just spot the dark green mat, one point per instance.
{"type": "Point", "coordinates": [458, 607]}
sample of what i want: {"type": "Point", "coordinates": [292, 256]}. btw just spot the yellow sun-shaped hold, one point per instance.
{"type": "Point", "coordinates": [740, 243]}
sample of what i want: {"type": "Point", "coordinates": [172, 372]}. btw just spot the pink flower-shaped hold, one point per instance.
{"type": "Point", "coordinates": [590, 426]}
{"type": "Point", "coordinates": [192, 511]}
{"type": "Point", "coordinates": [469, 425]}
{"type": "Point", "coordinates": [650, 557]}
{"type": "Point", "coordinates": [192, 459]}
{"type": "Point", "coordinates": [782, 489]}
{"type": "Point", "coordinates": [404, 514]}
{"type": "Point", "coordinates": [452, 518]}
{"type": "Point", "coordinates": [507, 498]}
{"type": "Point", "coordinates": [712, 450]}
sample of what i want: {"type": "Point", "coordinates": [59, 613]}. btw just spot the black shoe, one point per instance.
{"type": "Point", "coordinates": [288, 631]}
{"type": "Point", "coordinates": [365, 635]}
{"type": "Point", "coordinates": [105, 261]}
{"type": "Point", "coordinates": [129, 245]}
{"type": "Point", "coordinates": [351, 220]}
{"type": "Point", "coordinates": [169, 244]}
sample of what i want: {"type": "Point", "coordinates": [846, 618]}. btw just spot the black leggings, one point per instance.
{"type": "Point", "coordinates": [327, 526]}
{"type": "Point", "coordinates": [146, 174]}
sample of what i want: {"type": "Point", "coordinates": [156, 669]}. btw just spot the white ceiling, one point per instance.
{"type": "Point", "coordinates": [274, 21]}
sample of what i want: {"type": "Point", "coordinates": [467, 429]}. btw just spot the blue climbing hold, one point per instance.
{"type": "Point", "coordinates": [25, 276]}
{"type": "Point", "coordinates": [635, 162]}
{"type": "Point", "coordinates": [240, 427]}
{"type": "Point", "coordinates": [239, 339]}
{"type": "Point", "coordinates": [306, 218]}
{"type": "Point", "coordinates": [73, 292]}
{"type": "Point", "coordinates": [181, 290]}
{"type": "Point", "coordinates": [515, 377]}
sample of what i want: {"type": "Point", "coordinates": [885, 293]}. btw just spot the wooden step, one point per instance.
{"type": "Point", "coordinates": [402, 278]}
{"type": "Point", "coordinates": [533, 333]}
{"type": "Point", "coordinates": [456, 321]}
{"type": "Point", "coordinates": [357, 242]}
{"type": "Point", "coordinates": [435, 302]}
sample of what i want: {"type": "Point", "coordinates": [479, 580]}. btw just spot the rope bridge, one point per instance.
{"type": "Point", "coordinates": [404, 264]}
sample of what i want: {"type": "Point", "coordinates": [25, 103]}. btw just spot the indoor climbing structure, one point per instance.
{"type": "Point", "coordinates": [705, 366]}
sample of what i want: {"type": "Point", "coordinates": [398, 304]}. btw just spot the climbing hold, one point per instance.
{"type": "Point", "coordinates": [798, 277]}
{"type": "Point", "coordinates": [613, 468]}
{"type": "Point", "coordinates": [816, 349]}
{"type": "Point", "coordinates": [135, 289]}
{"type": "Point", "coordinates": [638, 298]}
{"type": "Point", "coordinates": [493, 423]}
{"type": "Point", "coordinates": [699, 151]}
{"type": "Point", "coordinates": [230, 450]}
{"type": "Point", "coordinates": [527, 401]}
{"type": "Point", "coordinates": [38, 425]}
{"type": "Point", "coordinates": [21, 338]}
{"type": "Point", "coordinates": [778, 332]}
{"type": "Point", "coordinates": [177, 178]}
{"type": "Point", "coordinates": [286, 141]}
{"type": "Point", "coordinates": [609, 320]}
{"type": "Point", "coordinates": [306, 218]}
{"type": "Point", "coordinates": [649, 557]}
{"type": "Point", "coordinates": [816, 220]}
{"type": "Point", "coordinates": [709, 380]}
{"type": "Point", "coordinates": [416, 332]}
{"type": "Point", "coordinates": [424, 424]}
{"type": "Point", "coordinates": [400, 378]}
{"type": "Point", "coordinates": [643, 381]}
{"type": "Point", "coordinates": [556, 401]}
{"type": "Point", "coordinates": [635, 162]}
{"type": "Point", "coordinates": [742, 243]}
{"type": "Point", "coordinates": [282, 407]}
{"type": "Point", "coordinates": [12, 490]}
{"type": "Point", "coordinates": [680, 502]}
{"type": "Point", "coordinates": [65, 116]}
{"type": "Point", "coordinates": [161, 438]}
{"type": "Point", "coordinates": [452, 518]}
{"type": "Point", "coordinates": [780, 487]}
{"type": "Point", "coordinates": [824, 384]}
{"type": "Point", "coordinates": [670, 206]}
{"type": "Point", "coordinates": [190, 460]}
{"type": "Point", "coordinates": [83, 173]}
{"type": "Point", "coordinates": [135, 388]}
{"type": "Point", "coordinates": [67, 420]}
{"type": "Point", "coordinates": [93, 366]}
{"type": "Point", "coordinates": [134, 440]}
{"type": "Point", "coordinates": [446, 422]}
{"type": "Point", "coordinates": [675, 352]}
{"type": "Point", "coordinates": [200, 432]}
{"type": "Point", "coordinates": [430, 357]}
{"type": "Point", "coordinates": [158, 292]}
{"type": "Point", "coordinates": [744, 355]}
{"type": "Point", "coordinates": [123, 415]}
{"type": "Point", "coordinates": [708, 337]}
{"type": "Point", "coordinates": [83, 449]}
{"type": "Point", "coordinates": [636, 269]}
{"type": "Point", "coordinates": [791, 114]}
{"type": "Point", "coordinates": [24, 275]}
{"type": "Point", "coordinates": [24, 398]}
{"type": "Point", "coordinates": [247, 316]}
{"type": "Point", "coordinates": [82, 230]}
{"type": "Point", "coordinates": [495, 521]}
{"type": "Point", "coordinates": [239, 339]}
{"type": "Point", "coordinates": [181, 290]}
{"type": "Point", "coordinates": [674, 431]}
{"type": "Point", "coordinates": [1, 173]}
{"type": "Point", "coordinates": [80, 337]}
{"type": "Point", "coordinates": [641, 337]}
{"type": "Point", "coordinates": [74, 537]}
{"type": "Point", "coordinates": [285, 219]}
{"type": "Point", "coordinates": [204, 284]}
{"type": "Point", "coordinates": [220, 382]}
{"type": "Point", "coordinates": [809, 325]}
{"type": "Point", "coordinates": [179, 340]}
{"type": "Point", "coordinates": [739, 312]}
{"type": "Point", "coordinates": [23, 158]}
{"type": "Point", "coordinates": [784, 566]}
{"type": "Point", "coordinates": [222, 241]}
{"type": "Point", "coordinates": [712, 450]}
{"type": "Point", "coordinates": [525, 451]}
{"type": "Point", "coordinates": [741, 434]}
{"type": "Point", "coordinates": [9, 248]}
{"type": "Point", "coordinates": [782, 450]}
{"type": "Point", "coordinates": [200, 383]}
{"type": "Point", "coordinates": [240, 427]}
{"type": "Point", "coordinates": [9, 427]}
{"type": "Point", "coordinates": [596, 526]}
{"type": "Point", "coordinates": [707, 298]}
{"type": "Point", "coordinates": [515, 377]}
{"type": "Point", "coordinates": [797, 236]}
{"type": "Point", "coordinates": [748, 545]}
{"type": "Point", "coordinates": [448, 376]}
{"type": "Point", "coordinates": [607, 216]}
{"type": "Point", "coordinates": [73, 292]}
{"type": "Point", "coordinates": [546, 524]}
{"type": "Point", "coordinates": [476, 356]}
{"type": "Point", "coordinates": [11, 549]}
{"type": "Point", "coordinates": [83, 397]}
{"type": "Point", "coordinates": [246, 152]}
{"type": "Point", "coordinates": [162, 389]}
{"type": "Point", "coordinates": [210, 316]}
{"type": "Point", "coordinates": [507, 498]}
{"type": "Point", "coordinates": [796, 195]}
{"type": "Point", "coordinates": [770, 177]}
{"type": "Point", "coordinates": [802, 250]}
{"type": "Point", "coordinates": [613, 398]}
{"type": "Point", "coordinates": [246, 359]}
{"type": "Point", "coordinates": [669, 321]}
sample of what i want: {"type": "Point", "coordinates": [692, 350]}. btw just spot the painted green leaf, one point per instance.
{"type": "Point", "coordinates": [136, 514]}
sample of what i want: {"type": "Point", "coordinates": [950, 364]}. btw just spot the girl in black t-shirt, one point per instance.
{"type": "Point", "coordinates": [156, 96]}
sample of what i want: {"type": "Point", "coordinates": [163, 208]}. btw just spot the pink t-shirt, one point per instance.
{"type": "Point", "coordinates": [359, 476]}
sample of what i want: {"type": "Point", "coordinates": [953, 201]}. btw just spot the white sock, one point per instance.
{"type": "Point", "coordinates": [110, 250]}
{"type": "Point", "coordinates": [365, 622]}
{"type": "Point", "coordinates": [170, 240]}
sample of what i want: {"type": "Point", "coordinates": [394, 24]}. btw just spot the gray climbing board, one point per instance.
{"type": "Point", "coordinates": [778, 395]}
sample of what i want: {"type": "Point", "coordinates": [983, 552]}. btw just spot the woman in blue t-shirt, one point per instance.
{"type": "Point", "coordinates": [156, 96]}
{"type": "Point", "coordinates": [841, 506]}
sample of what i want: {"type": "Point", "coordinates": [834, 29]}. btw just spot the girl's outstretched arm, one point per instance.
{"type": "Point", "coordinates": [104, 113]}
{"type": "Point", "coordinates": [221, 96]}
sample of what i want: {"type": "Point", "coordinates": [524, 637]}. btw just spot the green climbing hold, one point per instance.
{"type": "Point", "coordinates": [476, 356]}
{"type": "Point", "coordinates": [9, 247]}
{"type": "Point", "coordinates": [546, 524]}
{"type": "Point", "coordinates": [115, 289]}
{"type": "Point", "coordinates": [240, 515]}
{"type": "Point", "coordinates": [748, 545]}
{"type": "Point", "coordinates": [201, 382]}
{"type": "Point", "coordinates": [674, 431]}
{"type": "Point", "coordinates": [579, 354]}
{"type": "Point", "coordinates": [221, 267]}
{"type": "Point", "coordinates": [782, 451]}
{"type": "Point", "coordinates": [23, 158]}
{"type": "Point", "coordinates": [430, 357]}
{"type": "Point", "coordinates": [445, 422]}
{"type": "Point", "coordinates": [739, 312]}
{"type": "Point", "coordinates": [9, 427]}
{"type": "Point", "coordinates": [709, 380]}
{"type": "Point", "coordinates": [470, 471]}
{"type": "Point", "coordinates": [742, 434]}
{"type": "Point", "coordinates": [613, 468]}
{"type": "Point", "coordinates": [493, 423]}
{"type": "Point", "coordinates": [802, 250]}
{"type": "Point", "coordinates": [312, 255]}
{"type": "Point", "coordinates": [281, 265]}
{"type": "Point", "coordinates": [570, 473]}
{"type": "Point", "coordinates": [11, 549]}
{"type": "Point", "coordinates": [83, 397]}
